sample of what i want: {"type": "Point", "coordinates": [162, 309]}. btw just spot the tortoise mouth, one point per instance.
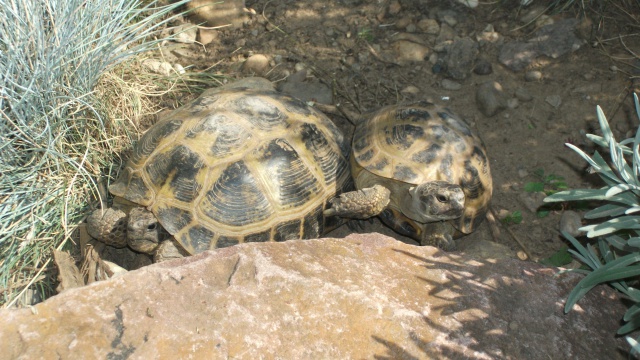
{"type": "Point", "coordinates": [146, 246]}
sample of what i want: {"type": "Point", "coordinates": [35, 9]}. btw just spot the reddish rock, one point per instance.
{"type": "Point", "coordinates": [365, 296]}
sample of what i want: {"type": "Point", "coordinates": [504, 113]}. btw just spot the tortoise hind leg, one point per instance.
{"type": "Point", "coordinates": [360, 204]}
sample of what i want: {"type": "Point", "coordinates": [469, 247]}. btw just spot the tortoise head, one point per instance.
{"type": "Point", "coordinates": [434, 201]}
{"type": "Point", "coordinates": [144, 232]}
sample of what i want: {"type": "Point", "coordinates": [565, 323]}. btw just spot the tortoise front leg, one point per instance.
{"type": "Point", "coordinates": [439, 234]}
{"type": "Point", "coordinates": [360, 204]}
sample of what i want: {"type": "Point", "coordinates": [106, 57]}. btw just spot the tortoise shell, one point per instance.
{"type": "Point", "coordinates": [420, 143]}
{"type": "Point", "coordinates": [238, 165]}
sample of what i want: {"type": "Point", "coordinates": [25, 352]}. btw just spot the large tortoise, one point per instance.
{"type": "Point", "coordinates": [421, 170]}
{"type": "Point", "coordinates": [240, 163]}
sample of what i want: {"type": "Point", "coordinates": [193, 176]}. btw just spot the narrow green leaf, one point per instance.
{"type": "Point", "coordinates": [633, 324]}
{"type": "Point", "coordinates": [612, 275]}
{"type": "Point", "coordinates": [578, 194]}
{"type": "Point", "coordinates": [607, 210]}
{"type": "Point", "coordinates": [633, 309]}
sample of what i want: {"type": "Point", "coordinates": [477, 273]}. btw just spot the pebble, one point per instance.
{"type": "Point", "coordinates": [207, 36]}
{"type": "Point", "coordinates": [395, 7]}
{"type": "Point", "coordinates": [158, 67]}
{"type": "Point", "coordinates": [570, 222]}
{"type": "Point", "coordinates": [410, 90]}
{"type": "Point", "coordinates": [461, 57]}
{"type": "Point", "coordinates": [179, 69]}
{"type": "Point", "coordinates": [554, 100]}
{"type": "Point", "coordinates": [522, 173]}
{"type": "Point", "coordinates": [300, 66]}
{"type": "Point", "coordinates": [513, 103]}
{"type": "Point", "coordinates": [523, 94]}
{"type": "Point", "coordinates": [613, 68]}
{"type": "Point", "coordinates": [532, 201]}
{"type": "Point", "coordinates": [533, 75]}
{"type": "Point", "coordinates": [256, 64]}
{"type": "Point", "coordinates": [185, 33]}
{"type": "Point", "coordinates": [429, 26]}
{"type": "Point", "coordinates": [490, 98]}
{"type": "Point", "coordinates": [411, 28]}
{"type": "Point", "coordinates": [410, 51]}
{"type": "Point", "coordinates": [450, 85]}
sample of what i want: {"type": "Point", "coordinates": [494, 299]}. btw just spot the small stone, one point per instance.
{"type": "Point", "coordinates": [613, 68]}
{"type": "Point", "coordinates": [158, 67]}
{"type": "Point", "coordinates": [513, 103]}
{"type": "Point", "coordinates": [588, 76]}
{"type": "Point", "coordinates": [394, 7]}
{"type": "Point", "coordinates": [446, 34]}
{"type": "Point", "coordinates": [207, 36]}
{"type": "Point", "coordinates": [522, 173]}
{"type": "Point", "coordinates": [533, 75]}
{"type": "Point", "coordinates": [450, 20]}
{"type": "Point", "coordinates": [450, 85]}
{"type": "Point", "coordinates": [254, 32]}
{"type": "Point", "coordinates": [523, 95]}
{"type": "Point", "coordinates": [490, 98]}
{"type": "Point", "coordinates": [410, 51]}
{"type": "Point", "coordinates": [256, 64]}
{"type": "Point", "coordinates": [553, 100]}
{"type": "Point", "coordinates": [411, 28]}
{"type": "Point", "coordinates": [179, 69]}
{"type": "Point", "coordinates": [483, 67]}
{"type": "Point", "coordinates": [461, 57]}
{"type": "Point", "coordinates": [469, 3]}
{"type": "Point", "coordinates": [429, 26]}
{"type": "Point", "coordinates": [185, 33]}
{"type": "Point", "coordinates": [488, 35]}
{"type": "Point", "coordinates": [532, 201]}
{"type": "Point", "coordinates": [329, 32]}
{"type": "Point", "coordinates": [403, 22]}
{"type": "Point", "coordinates": [410, 90]}
{"type": "Point", "coordinates": [570, 222]}
{"type": "Point", "coordinates": [300, 66]}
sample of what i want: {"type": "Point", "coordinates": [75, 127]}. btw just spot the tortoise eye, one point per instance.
{"type": "Point", "coordinates": [442, 198]}
{"type": "Point", "coordinates": [152, 226]}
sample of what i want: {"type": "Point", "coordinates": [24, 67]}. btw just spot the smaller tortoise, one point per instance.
{"type": "Point", "coordinates": [240, 163]}
{"type": "Point", "coordinates": [421, 170]}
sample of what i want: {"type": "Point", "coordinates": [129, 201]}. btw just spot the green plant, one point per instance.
{"type": "Point", "coordinates": [366, 34]}
{"type": "Point", "coordinates": [513, 218]}
{"type": "Point", "coordinates": [615, 260]}
{"type": "Point", "coordinates": [548, 184]}
{"type": "Point", "coordinates": [53, 136]}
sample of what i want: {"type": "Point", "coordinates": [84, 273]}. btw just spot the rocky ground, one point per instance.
{"type": "Point", "coordinates": [526, 82]}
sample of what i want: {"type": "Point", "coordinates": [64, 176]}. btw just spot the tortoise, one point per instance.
{"type": "Point", "coordinates": [421, 170]}
{"type": "Point", "coordinates": [240, 163]}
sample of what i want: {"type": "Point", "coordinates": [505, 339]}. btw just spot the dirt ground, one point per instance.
{"type": "Point", "coordinates": [343, 45]}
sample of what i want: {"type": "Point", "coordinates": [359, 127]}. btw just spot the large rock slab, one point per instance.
{"type": "Point", "coordinates": [366, 296]}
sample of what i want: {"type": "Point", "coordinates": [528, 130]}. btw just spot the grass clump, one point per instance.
{"type": "Point", "coordinates": [615, 257]}
{"type": "Point", "coordinates": [53, 128]}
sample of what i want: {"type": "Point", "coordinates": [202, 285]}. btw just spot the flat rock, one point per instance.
{"type": "Point", "coordinates": [362, 297]}
{"type": "Point", "coordinates": [490, 98]}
